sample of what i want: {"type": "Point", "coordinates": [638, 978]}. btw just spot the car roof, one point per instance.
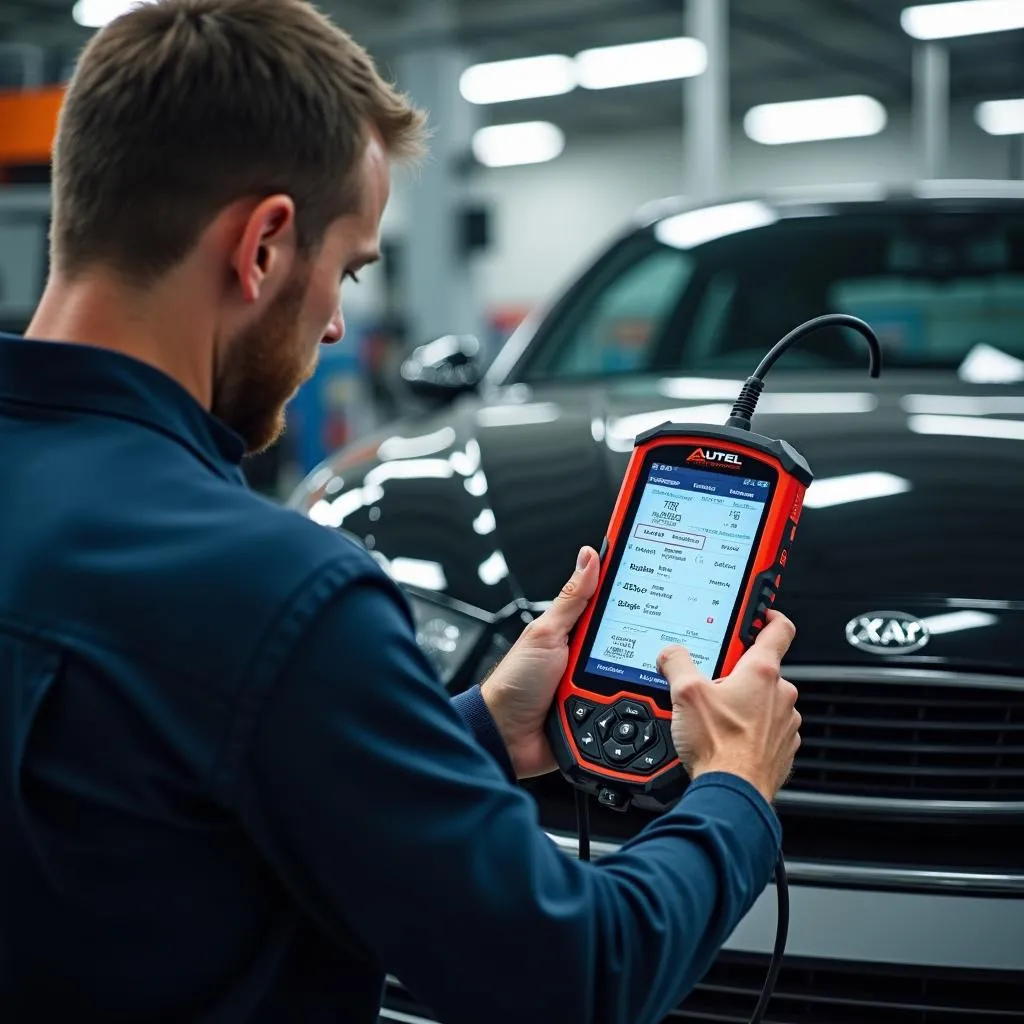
{"type": "Point", "coordinates": [798, 200]}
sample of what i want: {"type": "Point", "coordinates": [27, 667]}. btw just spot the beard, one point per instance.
{"type": "Point", "coordinates": [265, 365]}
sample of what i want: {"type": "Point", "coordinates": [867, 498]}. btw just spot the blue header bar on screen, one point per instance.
{"type": "Point", "coordinates": [708, 483]}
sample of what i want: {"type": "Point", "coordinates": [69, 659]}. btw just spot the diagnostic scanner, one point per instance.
{"type": "Point", "coordinates": [699, 541]}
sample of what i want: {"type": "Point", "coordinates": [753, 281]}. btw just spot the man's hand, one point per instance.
{"type": "Point", "coordinates": [747, 723]}
{"type": "Point", "coordinates": [520, 690]}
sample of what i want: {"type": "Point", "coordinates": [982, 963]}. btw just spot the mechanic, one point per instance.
{"type": "Point", "coordinates": [231, 787]}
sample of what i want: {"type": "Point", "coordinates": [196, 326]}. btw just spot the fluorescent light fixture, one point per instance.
{"type": "Point", "coordinates": [1000, 117]}
{"type": "Point", "coordinates": [97, 13]}
{"type": "Point", "coordinates": [522, 79]}
{"type": "Point", "coordinates": [660, 60]}
{"type": "Point", "coordinates": [507, 145]}
{"type": "Point", "coordinates": [695, 227]}
{"type": "Point", "coordinates": [836, 117]}
{"type": "Point", "coordinates": [965, 18]}
{"type": "Point", "coordinates": [841, 490]}
{"type": "Point", "coordinates": [967, 426]}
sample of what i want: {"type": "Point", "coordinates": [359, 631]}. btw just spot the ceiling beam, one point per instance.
{"type": "Point", "coordinates": [825, 55]}
{"type": "Point", "coordinates": [512, 21]}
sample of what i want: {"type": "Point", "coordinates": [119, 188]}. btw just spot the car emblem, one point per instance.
{"type": "Point", "coordinates": [887, 633]}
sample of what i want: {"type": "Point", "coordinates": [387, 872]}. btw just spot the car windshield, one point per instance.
{"type": "Point", "coordinates": [937, 286]}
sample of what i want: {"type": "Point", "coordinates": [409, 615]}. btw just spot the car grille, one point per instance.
{"type": "Point", "coordinates": [910, 736]}
{"type": "Point", "coordinates": [815, 992]}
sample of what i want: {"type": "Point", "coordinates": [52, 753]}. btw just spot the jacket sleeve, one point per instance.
{"type": "Point", "coordinates": [387, 820]}
{"type": "Point", "coordinates": [474, 712]}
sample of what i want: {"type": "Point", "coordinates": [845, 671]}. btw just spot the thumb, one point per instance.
{"type": "Point", "coordinates": [676, 665]}
{"type": "Point", "coordinates": [568, 606]}
{"type": "Point", "coordinates": [771, 644]}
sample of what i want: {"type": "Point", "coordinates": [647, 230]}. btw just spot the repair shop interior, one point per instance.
{"type": "Point", "coordinates": [629, 204]}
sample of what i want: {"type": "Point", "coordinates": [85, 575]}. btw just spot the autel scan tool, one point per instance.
{"type": "Point", "coordinates": [698, 544]}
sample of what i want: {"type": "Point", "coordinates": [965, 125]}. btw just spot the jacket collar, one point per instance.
{"type": "Point", "coordinates": [100, 382]}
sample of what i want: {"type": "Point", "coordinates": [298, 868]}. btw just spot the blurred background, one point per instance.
{"type": "Point", "coordinates": [555, 121]}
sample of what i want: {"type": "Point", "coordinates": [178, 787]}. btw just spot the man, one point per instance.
{"type": "Point", "coordinates": [231, 789]}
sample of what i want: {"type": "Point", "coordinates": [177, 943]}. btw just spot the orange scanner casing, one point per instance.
{"type": "Point", "coordinates": [588, 725]}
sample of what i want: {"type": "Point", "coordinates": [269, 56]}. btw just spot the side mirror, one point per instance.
{"type": "Point", "coordinates": [444, 368]}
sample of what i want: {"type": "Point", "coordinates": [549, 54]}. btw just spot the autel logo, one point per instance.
{"type": "Point", "coordinates": [706, 455]}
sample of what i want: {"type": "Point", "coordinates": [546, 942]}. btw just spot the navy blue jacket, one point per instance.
{"type": "Point", "coordinates": [232, 788]}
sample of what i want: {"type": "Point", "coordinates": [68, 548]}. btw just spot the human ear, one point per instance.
{"type": "Point", "coordinates": [265, 253]}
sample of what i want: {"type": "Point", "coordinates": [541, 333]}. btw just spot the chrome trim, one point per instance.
{"type": "Point", "coordinates": [908, 676]}
{"type": "Point", "coordinates": [813, 873]}
{"type": "Point", "coordinates": [898, 805]}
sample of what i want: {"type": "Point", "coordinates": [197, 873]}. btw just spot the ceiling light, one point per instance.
{"type": "Point", "coordinates": [836, 117]}
{"type": "Point", "coordinates": [695, 227]}
{"type": "Point", "coordinates": [506, 145]}
{"type": "Point", "coordinates": [660, 60]}
{"type": "Point", "coordinates": [1000, 117]}
{"type": "Point", "coordinates": [965, 18]}
{"type": "Point", "coordinates": [97, 13]}
{"type": "Point", "coordinates": [521, 79]}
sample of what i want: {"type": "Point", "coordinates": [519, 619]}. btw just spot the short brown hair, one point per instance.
{"type": "Point", "coordinates": [181, 107]}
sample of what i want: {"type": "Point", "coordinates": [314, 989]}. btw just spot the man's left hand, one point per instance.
{"type": "Point", "coordinates": [520, 690]}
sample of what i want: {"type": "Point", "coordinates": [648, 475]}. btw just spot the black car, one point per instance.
{"type": "Point", "coordinates": [904, 821]}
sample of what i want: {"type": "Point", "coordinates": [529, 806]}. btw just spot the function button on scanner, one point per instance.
{"type": "Point", "coordinates": [650, 760]}
{"type": "Point", "coordinates": [603, 551]}
{"type": "Point", "coordinates": [619, 753]}
{"type": "Point", "coordinates": [628, 709]}
{"type": "Point", "coordinates": [665, 728]}
{"type": "Point", "coordinates": [588, 744]}
{"type": "Point", "coordinates": [605, 723]}
{"type": "Point", "coordinates": [624, 732]}
{"type": "Point", "coordinates": [648, 734]}
{"type": "Point", "coordinates": [579, 710]}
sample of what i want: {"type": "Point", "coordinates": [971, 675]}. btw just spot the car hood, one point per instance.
{"type": "Point", "coordinates": [919, 487]}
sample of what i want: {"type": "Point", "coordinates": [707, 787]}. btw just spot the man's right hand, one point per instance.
{"type": "Point", "coordinates": [746, 723]}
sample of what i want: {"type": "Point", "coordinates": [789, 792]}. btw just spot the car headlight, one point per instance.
{"type": "Point", "coordinates": [447, 636]}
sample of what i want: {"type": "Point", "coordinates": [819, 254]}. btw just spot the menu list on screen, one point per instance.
{"type": "Point", "coordinates": [680, 574]}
